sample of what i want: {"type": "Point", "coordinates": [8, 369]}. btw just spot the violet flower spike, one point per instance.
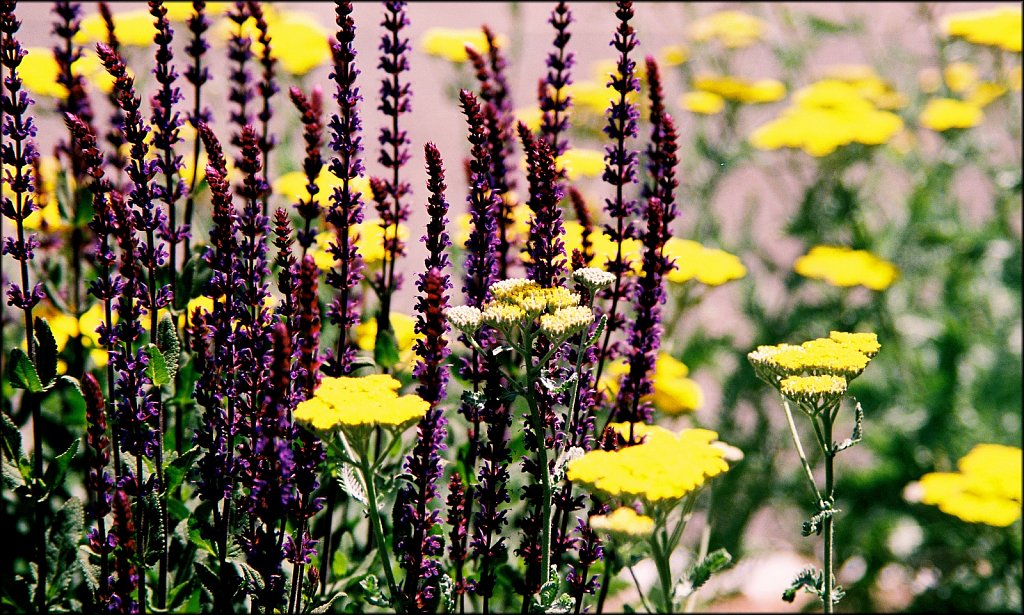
{"type": "Point", "coordinates": [266, 88]}
{"type": "Point", "coordinates": [554, 100]}
{"type": "Point", "coordinates": [66, 53]}
{"type": "Point", "coordinates": [239, 53]}
{"type": "Point", "coordinates": [311, 113]}
{"type": "Point", "coordinates": [544, 246]}
{"type": "Point", "coordinates": [115, 136]}
{"type": "Point", "coordinates": [196, 74]}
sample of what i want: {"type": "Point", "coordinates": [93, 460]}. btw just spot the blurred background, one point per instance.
{"type": "Point", "coordinates": [937, 198]}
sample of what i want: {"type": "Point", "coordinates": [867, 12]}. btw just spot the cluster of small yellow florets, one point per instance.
{"type": "Point", "coordinates": [817, 372]}
{"type": "Point", "coordinates": [519, 301]}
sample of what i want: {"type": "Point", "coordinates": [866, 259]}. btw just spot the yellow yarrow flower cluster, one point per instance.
{"type": "Point", "coordinates": [451, 43]}
{"type": "Point", "coordinates": [580, 162]}
{"type": "Point", "coordinates": [518, 301]}
{"type": "Point", "coordinates": [739, 89]}
{"type": "Point", "coordinates": [994, 27]}
{"type": "Point", "coordinates": [942, 114]}
{"type": "Point", "coordinates": [367, 401]}
{"type": "Point", "coordinates": [298, 41]}
{"type": "Point", "coordinates": [843, 267]}
{"type": "Point", "coordinates": [369, 238]}
{"type": "Point", "coordinates": [404, 327]}
{"type": "Point", "coordinates": [702, 103]}
{"type": "Point", "coordinates": [868, 83]}
{"type": "Point", "coordinates": [664, 467]}
{"type": "Point", "coordinates": [843, 355]}
{"type": "Point", "coordinates": [292, 186]}
{"type": "Point", "coordinates": [732, 29]}
{"type": "Point", "coordinates": [623, 522]}
{"type": "Point", "coordinates": [674, 393]}
{"type": "Point", "coordinates": [39, 71]}
{"type": "Point", "coordinates": [709, 266]}
{"type": "Point", "coordinates": [825, 116]}
{"type": "Point", "coordinates": [987, 488]}
{"type": "Point", "coordinates": [816, 391]}
{"type": "Point", "coordinates": [132, 28]}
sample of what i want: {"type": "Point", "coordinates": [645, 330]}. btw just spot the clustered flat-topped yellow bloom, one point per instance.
{"type": "Point", "coordinates": [818, 391]}
{"type": "Point", "coordinates": [674, 393]}
{"type": "Point", "coordinates": [844, 267]}
{"type": "Point", "coordinates": [994, 27]}
{"type": "Point", "coordinates": [369, 238]}
{"type": "Point", "coordinates": [702, 103]}
{"type": "Point", "coordinates": [132, 28]}
{"type": "Point", "coordinates": [39, 71]}
{"type": "Point", "coordinates": [826, 115]}
{"type": "Point", "coordinates": [868, 83]}
{"type": "Point", "coordinates": [841, 355]}
{"type": "Point", "coordinates": [623, 522]}
{"type": "Point", "coordinates": [298, 41]}
{"type": "Point", "coordinates": [694, 261]}
{"type": "Point", "coordinates": [942, 114]}
{"type": "Point", "coordinates": [732, 29]}
{"type": "Point", "coordinates": [666, 466]}
{"type": "Point", "coordinates": [366, 401]}
{"type": "Point", "coordinates": [450, 43]}
{"type": "Point", "coordinates": [739, 89]}
{"type": "Point", "coordinates": [987, 489]}
{"type": "Point", "coordinates": [404, 327]}
{"type": "Point", "coordinates": [581, 162]}
{"type": "Point", "coordinates": [292, 186]}
{"type": "Point", "coordinates": [518, 301]}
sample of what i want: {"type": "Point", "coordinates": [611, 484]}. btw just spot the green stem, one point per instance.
{"type": "Point", "coordinates": [378, 531]}
{"type": "Point", "coordinates": [640, 591]}
{"type": "Point", "coordinates": [800, 450]}
{"type": "Point", "coordinates": [542, 459]}
{"type": "Point", "coordinates": [660, 555]}
{"type": "Point", "coordinates": [830, 520]}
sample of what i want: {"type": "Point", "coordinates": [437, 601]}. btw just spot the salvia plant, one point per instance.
{"type": "Point", "coordinates": [215, 401]}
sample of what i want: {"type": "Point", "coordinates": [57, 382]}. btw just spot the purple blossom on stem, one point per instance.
{"type": "Point", "coordinates": [311, 113]}
{"type": "Point", "coordinates": [98, 482]}
{"type": "Point", "coordinates": [545, 246]}
{"type": "Point", "coordinates": [346, 205]}
{"type": "Point", "coordinates": [66, 53]}
{"type": "Point", "coordinates": [554, 101]}
{"type": "Point", "coordinates": [115, 137]}
{"type": "Point", "coordinates": [414, 542]}
{"type": "Point", "coordinates": [458, 521]}
{"type": "Point", "coordinates": [125, 553]}
{"type": "Point", "coordinates": [239, 52]}
{"type": "Point", "coordinates": [582, 210]}
{"type": "Point", "coordinates": [266, 88]}
{"type": "Point", "coordinates": [196, 74]}
{"type": "Point", "coordinates": [481, 262]}
{"type": "Point", "coordinates": [395, 99]}
{"type": "Point", "coordinates": [620, 171]}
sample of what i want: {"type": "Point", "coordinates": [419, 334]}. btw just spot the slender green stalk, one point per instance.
{"type": "Point", "coordinates": [640, 591]}
{"type": "Point", "coordinates": [826, 418]}
{"type": "Point", "coordinates": [660, 553]}
{"type": "Point", "coordinates": [378, 531]}
{"type": "Point", "coordinates": [800, 450]}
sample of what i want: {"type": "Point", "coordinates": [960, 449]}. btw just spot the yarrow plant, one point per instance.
{"type": "Point", "coordinates": [256, 363]}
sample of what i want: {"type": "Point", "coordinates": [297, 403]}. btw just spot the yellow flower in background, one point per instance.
{"type": "Point", "coordinates": [65, 327]}
{"type": "Point", "coordinates": [826, 115]}
{"type": "Point", "coordinates": [369, 238]}
{"type": "Point", "coordinates": [603, 249]}
{"type": "Point", "coordinates": [91, 68]}
{"type": "Point", "coordinates": [292, 186]}
{"type": "Point", "coordinates": [1014, 78]}
{"type": "Point", "coordinates": [405, 334]}
{"type": "Point", "coordinates": [709, 266]}
{"type": "Point", "coordinates": [47, 216]}
{"type": "Point", "coordinates": [580, 162]}
{"type": "Point", "coordinates": [674, 55]}
{"type": "Point", "coordinates": [994, 27]}
{"type": "Point", "coordinates": [663, 468]}
{"type": "Point", "coordinates": [367, 401]}
{"type": "Point", "coordinates": [604, 69]}
{"type": "Point", "coordinates": [178, 11]}
{"type": "Point", "coordinates": [842, 266]}
{"type": "Point", "coordinates": [516, 233]}
{"type": "Point", "coordinates": [960, 76]}
{"type": "Point", "coordinates": [987, 488]}
{"type": "Point", "coordinates": [673, 394]}
{"type": "Point", "coordinates": [533, 117]}
{"type": "Point", "coordinates": [39, 70]}
{"type": "Point", "coordinates": [941, 114]}
{"type": "Point", "coordinates": [732, 29]}
{"type": "Point", "coordinates": [451, 43]}
{"type": "Point", "coordinates": [984, 92]}
{"type": "Point", "coordinates": [132, 28]}
{"type": "Point", "coordinates": [594, 97]}
{"type": "Point", "coordinates": [623, 522]}
{"type": "Point", "coordinates": [868, 84]}
{"type": "Point", "coordinates": [298, 41]}
{"type": "Point", "coordinates": [703, 103]}
{"type": "Point", "coordinates": [740, 89]}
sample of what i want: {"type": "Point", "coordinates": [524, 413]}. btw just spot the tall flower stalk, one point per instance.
{"type": "Point", "coordinates": [311, 113]}
{"type": "Point", "coordinates": [196, 74]}
{"type": "Point", "coordinates": [239, 54]}
{"type": "Point", "coordinates": [266, 88]}
{"type": "Point", "coordinates": [554, 99]}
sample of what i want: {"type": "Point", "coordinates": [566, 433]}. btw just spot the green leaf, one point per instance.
{"type": "Point", "coordinates": [176, 469]}
{"type": "Point", "coordinates": [58, 469]}
{"type": "Point", "coordinates": [716, 561]}
{"type": "Point", "coordinates": [601, 324]}
{"type": "Point", "coordinates": [207, 578]}
{"type": "Point", "coordinates": [371, 586]}
{"type": "Point", "coordinates": [90, 571]}
{"type": "Point", "coordinates": [385, 347]}
{"type": "Point", "coordinates": [11, 436]}
{"type": "Point", "coordinates": [62, 537]}
{"type": "Point", "coordinates": [22, 373]}
{"type": "Point", "coordinates": [557, 387]}
{"type": "Point", "coordinates": [156, 370]}
{"type": "Point", "coordinates": [46, 352]}
{"type": "Point", "coordinates": [168, 343]}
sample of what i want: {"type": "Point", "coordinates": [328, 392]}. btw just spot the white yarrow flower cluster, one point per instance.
{"type": "Point", "coordinates": [593, 278]}
{"type": "Point", "coordinates": [465, 318]}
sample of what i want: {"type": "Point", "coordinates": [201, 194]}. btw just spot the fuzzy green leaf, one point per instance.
{"type": "Point", "coordinates": [176, 469]}
{"type": "Point", "coordinates": [716, 561]}
{"type": "Point", "coordinates": [11, 436]}
{"type": "Point", "coordinates": [168, 343]}
{"type": "Point", "coordinates": [385, 347]}
{"type": "Point", "coordinates": [22, 373]}
{"type": "Point", "coordinates": [58, 469]}
{"type": "Point", "coordinates": [46, 352]}
{"type": "Point", "coordinates": [156, 370]}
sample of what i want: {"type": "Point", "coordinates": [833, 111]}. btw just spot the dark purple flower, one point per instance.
{"type": "Point", "coordinates": [124, 532]}
{"type": "Point", "coordinates": [266, 88]}
{"type": "Point", "coordinates": [197, 74]}
{"type": "Point", "coordinates": [311, 113]}
{"type": "Point", "coordinates": [554, 100]}
{"type": "Point", "coordinates": [458, 521]}
{"type": "Point", "coordinates": [115, 136]}
{"type": "Point", "coordinates": [66, 53]}
{"type": "Point", "coordinates": [239, 53]}
{"type": "Point", "coordinates": [545, 247]}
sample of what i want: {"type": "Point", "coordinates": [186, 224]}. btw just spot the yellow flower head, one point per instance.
{"type": "Point", "coordinates": [623, 522]}
{"type": "Point", "coordinates": [739, 89]}
{"type": "Point", "coordinates": [674, 55]}
{"type": "Point", "coordinates": [132, 28]}
{"type": "Point", "coordinates": [566, 321]}
{"type": "Point", "coordinates": [465, 318]}
{"type": "Point", "coordinates": [661, 468]}
{"type": "Point", "coordinates": [369, 238]}
{"type": "Point", "coordinates": [531, 116]}
{"type": "Point", "coordinates": [39, 70]}
{"type": "Point", "coordinates": [841, 266]}
{"type": "Point", "coordinates": [702, 103]}
{"type": "Point", "coordinates": [451, 44]}
{"type": "Point", "coordinates": [366, 401]}
{"type": "Point", "coordinates": [501, 315]}
{"type": "Point", "coordinates": [942, 114]}
{"type": "Point", "coordinates": [674, 393]}
{"type": "Point", "coordinates": [578, 162]}
{"type": "Point", "coordinates": [868, 84]}
{"type": "Point", "coordinates": [405, 334]}
{"type": "Point", "coordinates": [827, 115]}
{"type": "Point", "coordinates": [866, 343]}
{"type": "Point", "coordinates": [292, 186]}
{"type": "Point", "coordinates": [995, 27]}
{"type": "Point", "coordinates": [594, 96]}
{"type": "Point", "coordinates": [987, 489]}
{"type": "Point", "coordinates": [709, 266]}
{"type": "Point", "coordinates": [815, 391]}
{"type": "Point", "coordinates": [732, 29]}
{"type": "Point", "coordinates": [822, 357]}
{"type": "Point", "coordinates": [180, 11]}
